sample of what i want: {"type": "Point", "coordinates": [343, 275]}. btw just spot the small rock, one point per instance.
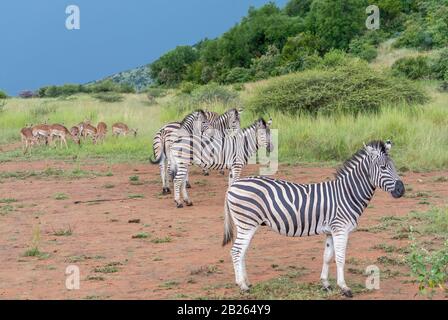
{"type": "Point", "coordinates": [134, 221]}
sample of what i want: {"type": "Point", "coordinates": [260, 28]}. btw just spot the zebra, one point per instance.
{"type": "Point", "coordinates": [216, 152]}
{"type": "Point", "coordinates": [332, 208]}
{"type": "Point", "coordinates": [230, 120]}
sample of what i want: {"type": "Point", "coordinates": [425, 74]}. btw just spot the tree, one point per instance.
{"type": "Point", "coordinates": [3, 95]}
{"type": "Point", "coordinates": [336, 22]}
{"type": "Point", "coordinates": [298, 8]}
{"type": "Point", "coordinates": [170, 69]}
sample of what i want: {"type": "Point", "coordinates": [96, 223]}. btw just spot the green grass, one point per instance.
{"type": "Point", "coordinates": [63, 232]}
{"type": "Point", "coordinates": [60, 196]}
{"type": "Point", "coordinates": [161, 240]}
{"type": "Point", "coordinates": [8, 200]}
{"type": "Point", "coordinates": [142, 235]}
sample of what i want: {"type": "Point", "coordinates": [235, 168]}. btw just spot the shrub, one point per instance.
{"type": "Point", "coordinates": [352, 89]}
{"type": "Point", "coordinates": [156, 92]}
{"type": "Point", "coordinates": [412, 67]}
{"type": "Point", "coordinates": [3, 95]}
{"type": "Point", "coordinates": [360, 47]}
{"type": "Point", "coordinates": [187, 87]}
{"type": "Point", "coordinates": [109, 97]}
{"type": "Point", "coordinates": [440, 66]}
{"type": "Point", "coordinates": [212, 93]}
{"type": "Point", "coordinates": [266, 65]}
{"type": "Point", "coordinates": [238, 75]}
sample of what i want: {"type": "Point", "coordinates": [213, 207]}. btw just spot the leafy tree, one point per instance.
{"type": "Point", "coordinates": [3, 95]}
{"type": "Point", "coordinates": [336, 22]}
{"type": "Point", "coordinates": [170, 69]}
{"type": "Point", "coordinates": [298, 8]}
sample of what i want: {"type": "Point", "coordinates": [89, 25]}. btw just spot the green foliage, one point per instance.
{"type": "Point", "coordinates": [336, 22]}
{"type": "Point", "coordinates": [266, 65]}
{"type": "Point", "coordinates": [212, 93]}
{"type": "Point", "coordinates": [156, 92]}
{"type": "Point", "coordinates": [3, 95]}
{"type": "Point", "coordinates": [353, 89]}
{"type": "Point", "coordinates": [430, 268]}
{"type": "Point", "coordinates": [170, 69]}
{"type": "Point", "coordinates": [297, 8]}
{"type": "Point", "coordinates": [187, 87]}
{"type": "Point", "coordinates": [109, 97]}
{"type": "Point", "coordinates": [412, 67]}
{"type": "Point", "coordinates": [238, 75]}
{"type": "Point", "coordinates": [427, 26]}
{"type": "Point", "coordinates": [440, 65]}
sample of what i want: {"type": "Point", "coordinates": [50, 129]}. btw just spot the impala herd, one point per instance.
{"type": "Point", "coordinates": [47, 134]}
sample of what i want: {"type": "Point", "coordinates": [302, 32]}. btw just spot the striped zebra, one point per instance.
{"type": "Point", "coordinates": [332, 208]}
{"type": "Point", "coordinates": [216, 152]}
{"type": "Point", "coordinates": [163, 139]}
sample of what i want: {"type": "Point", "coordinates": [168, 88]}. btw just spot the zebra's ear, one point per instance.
{"type": "Point", "coordinates": [269, 122]}
{"type": "Point", "coordinates": [388, 145]}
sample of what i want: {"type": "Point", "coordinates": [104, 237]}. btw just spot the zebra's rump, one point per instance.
{"type": "Point", "coordinates": [164, 134]}
{"type": "Point", "coordinates": [290, 209]}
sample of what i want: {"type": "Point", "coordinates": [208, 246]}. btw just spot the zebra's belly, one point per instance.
{"type": "Point", "coordinates": [297, 231]}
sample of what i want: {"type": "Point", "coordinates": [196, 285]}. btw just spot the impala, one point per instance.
{"type": "Point", "coordinates": [122, 129]}
{"type": "Point", "coordinates": [58, 130]}
{"type": "Point", "coordinates": [101, 129]}
{"type": "Point", "coordinates": [28, 139]}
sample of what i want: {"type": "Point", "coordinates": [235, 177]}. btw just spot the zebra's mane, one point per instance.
{"type": "Point", "coordinates": [347, 165]}
{"type": "Point", "coordinates": [188, 117]}
{"type": "Point", "coordinates": [252, 126]}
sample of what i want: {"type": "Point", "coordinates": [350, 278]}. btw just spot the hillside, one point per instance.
{"type": "Point", "coordinates": [138, 77]}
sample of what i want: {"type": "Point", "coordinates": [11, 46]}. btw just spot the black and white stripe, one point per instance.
{"type": "Point", "coordinates": [217, 152]}
{"type": "Point", "coordinates": [297, 210]}
{"type": "Point", "coordinates": [163, 139]}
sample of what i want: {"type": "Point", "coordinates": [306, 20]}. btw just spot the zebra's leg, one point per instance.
{"type": "Point", "coordinates": [205, 172]}
{"type": "Point", "coordinates": [187, 200]}
{"type": "Point", "coordinates": [238, 252]}
{"type": "Point", "coordinates": [187, 181]}
{"type": "Point", "coordinates": [340, 240]}
{"type": "Point", "coordinates": [328, 256]}
{"type": "Point", "coordinates": [179, 182]}
{"type": "Point", "coordinates": [164, 175]}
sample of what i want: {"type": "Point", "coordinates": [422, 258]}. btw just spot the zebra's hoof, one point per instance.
{"type": "Point", "coordinates": [179, 205]}
{"type": "Point", "coordinates": [222, 172]}
{"type": "Point", "coordinates": [188, 185]}
{"type": "Point", "coordinates": [188, 203]}
{"type": "Point", "coordinates": [244, 288]}
{"type": "Point", "coordinates": [166, 191]}
{"type": "Point", "coordinates": [347, 293]}
{"type": "Point", "coordinates": [327, 288]}
{"type": "Point", "coordinates": [206, 174]}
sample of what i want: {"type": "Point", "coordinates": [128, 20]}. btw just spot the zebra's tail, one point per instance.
{"type": "Point", "coordinates": [158, 159]}
{"type": "Point", "coordinates": [228, 225]}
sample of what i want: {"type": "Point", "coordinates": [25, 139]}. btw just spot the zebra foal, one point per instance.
{"type": "Point", "coordinates": [332, 208]}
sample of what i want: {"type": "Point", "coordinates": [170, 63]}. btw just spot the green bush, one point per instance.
{"type": "Point", "coordinates": [238, 75]}
{"type": "Point", "coordinates": [187, 87]}
{"type": "Point", "coordinates": [156, 92]}
{"type": "Point", "coordinates": [440, 66]}
{"type": "Point", "coordinates": [412, 67]}
{"type": "Point", "coordinates": [213, 92]}
{"type": "Point", "coordinates": [362, 48]}
{"type": "Point", "coordinates": [347, 89]}
{"type": "Point", "coordinates": [109, 97]}
{"type": "Point", "coordinates": [3, 95]}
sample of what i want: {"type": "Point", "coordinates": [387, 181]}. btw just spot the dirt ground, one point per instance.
{"type": "Point", "coordinates": [181, 256]}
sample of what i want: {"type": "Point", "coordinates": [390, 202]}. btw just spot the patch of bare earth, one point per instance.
{"type": "Point", "coordinates": [167, 252]}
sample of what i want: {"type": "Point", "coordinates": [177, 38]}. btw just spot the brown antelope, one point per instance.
{"type": "Point", "coordinates": [28, 139]}
{"type": "Point", "coordinates": [42, 131]}
{"type": "Point", "coordinates": [101, 129]}
{"type": "Point", "coordinates": [91, 131]}
{"type": "Point", "coordinates": [58, 130]}
{"type": "Point", "coordinates": [122, 129]}
{"type": "Point", "coordinates": [81, 126]}
{"type": "Point", "coordinates": [74, 131]}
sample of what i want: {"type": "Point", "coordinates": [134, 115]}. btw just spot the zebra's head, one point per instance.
{"type": "Point", "coordinates": [264, 138]}
{"type": "Point", "coordinates": [198, 121]}
{"type": "Point", "coordinates": [234, 120]}
{"type": "Point", "coordinates": [382, 169]}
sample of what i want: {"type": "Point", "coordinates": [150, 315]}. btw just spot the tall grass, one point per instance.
{"type": "Point", "coordinates": [134, 110]}
{"type": "Point", "coordinates": [419, 133]}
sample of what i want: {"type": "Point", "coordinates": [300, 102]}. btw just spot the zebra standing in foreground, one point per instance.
{"type": "Point", "coordinates": [296, 210]}
{"type": "Point", "coordinates": [230, 120]}
{"type": "Point", "coordinates": [216, 152]}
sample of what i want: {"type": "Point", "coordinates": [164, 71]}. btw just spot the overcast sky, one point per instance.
{"type": "Point", "coordinates": [37, 49]}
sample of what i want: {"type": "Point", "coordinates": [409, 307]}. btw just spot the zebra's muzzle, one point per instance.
{"type": "Point", "coordinates": [399, 190]}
